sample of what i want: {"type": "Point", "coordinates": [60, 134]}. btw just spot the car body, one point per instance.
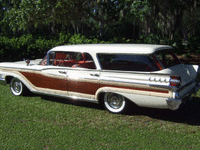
{"type": "Point", "coordinates": [112, 74]}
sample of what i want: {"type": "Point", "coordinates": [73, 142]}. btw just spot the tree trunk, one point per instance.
{"type": "Point", "coordinates": [53, 21]}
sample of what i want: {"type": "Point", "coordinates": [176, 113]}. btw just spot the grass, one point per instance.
{"type": "Point", "coordinates": [48, 123]}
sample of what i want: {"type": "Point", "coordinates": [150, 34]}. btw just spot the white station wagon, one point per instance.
{"type": "Point", "coordinates": [112, 74]}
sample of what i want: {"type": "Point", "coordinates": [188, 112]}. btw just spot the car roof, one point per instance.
{"type": "Point", "coordinates": [113, 48]}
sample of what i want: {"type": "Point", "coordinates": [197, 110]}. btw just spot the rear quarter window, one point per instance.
{"type": "Point", "coordinates": [127, 62]}
{"type": "Point", "coordinates": [167, 58]}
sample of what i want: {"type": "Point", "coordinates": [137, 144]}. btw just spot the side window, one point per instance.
{"type": "Point", "coordinates": [88, 57]}
{"type": "Point", "coordinates": [127, 62]}
{"type": "Point", "coordinates": [71, 59]}
{"type": "Point", "coordinates": [167, 58]}
{"type": "Point", "coordinates": [65, 59]}
{"type": "Point", "coordinates": [85, 61]}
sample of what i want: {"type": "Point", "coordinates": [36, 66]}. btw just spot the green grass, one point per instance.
{"type": "Point", "coordinates": [46, 123]}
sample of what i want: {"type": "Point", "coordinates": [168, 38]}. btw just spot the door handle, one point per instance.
{"type": "Point", "coordinates": [62, 72]}
{"type": "Point", "coordinates": [94, 74]}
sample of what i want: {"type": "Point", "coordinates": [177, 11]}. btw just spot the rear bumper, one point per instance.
{"type": "Point", "coordinates": [173, 104]}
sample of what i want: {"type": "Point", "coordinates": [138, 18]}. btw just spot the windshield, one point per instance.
{"type": "Point", "coordinates": [167, 58]}
{"type": "Point", "coordinates": [44, 61]}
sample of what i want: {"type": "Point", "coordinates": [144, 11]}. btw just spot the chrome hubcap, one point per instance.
{"type": "Point", "coordinates": [16, 87]}
{"type": "Point", "coordinates": [115, 101]}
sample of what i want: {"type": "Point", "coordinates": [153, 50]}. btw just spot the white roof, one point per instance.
{"type": "Point", "coordinates": [112, 48]}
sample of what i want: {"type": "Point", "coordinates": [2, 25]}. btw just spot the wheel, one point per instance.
{"type": "Point", "coordinates": [115, 103]}
{"type": "Point", "coordinates": [16, 87]}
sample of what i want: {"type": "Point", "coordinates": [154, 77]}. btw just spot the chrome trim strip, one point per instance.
{"type": "Point", "coordinates": [175, 80]}
{"type": "Point", "coordinates": [150, 84]}
{"type": "Point", "coordinates": [70, 97]}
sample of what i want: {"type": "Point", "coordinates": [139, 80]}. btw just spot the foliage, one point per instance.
{"type": "Point", "coordinates": [102, 18]}
{"type": "Point", "coordinates": [144, 21]}
{"type": "Point", "coordinates": [139, 9]}
{"type": "Point", "coordinates": [150, 39]}
{"type": "Point", "coordinates": [193, 44]}
{"type": "Point", "coordinates": [29, 46]}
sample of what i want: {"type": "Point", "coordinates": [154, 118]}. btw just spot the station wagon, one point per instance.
{"type": "Point", "coordinates": [114, 75]}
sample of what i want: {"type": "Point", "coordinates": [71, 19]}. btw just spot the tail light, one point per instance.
{"type": "Point", "coordinates": [175, 81]}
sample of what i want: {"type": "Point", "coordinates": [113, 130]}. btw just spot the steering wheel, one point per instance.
{"type": "Point", "coordinates": [61, 62]}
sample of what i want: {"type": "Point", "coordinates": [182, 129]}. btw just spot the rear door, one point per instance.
{"type": "Point", "coordinates": [83, 77]}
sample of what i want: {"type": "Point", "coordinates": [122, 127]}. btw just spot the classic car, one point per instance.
{"type": "Point", "coordinates": [115, 75]}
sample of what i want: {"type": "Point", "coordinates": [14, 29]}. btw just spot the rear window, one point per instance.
{"type": "Point", "coordinates": [167, 58]}
{"type": "Point", "coordinates": [127, 62]}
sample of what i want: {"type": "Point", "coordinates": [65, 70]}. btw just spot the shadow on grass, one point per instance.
{"type": "Point", "coordinates": [189, 114]}
{"type": "Point", "coordinates": [72, 102]}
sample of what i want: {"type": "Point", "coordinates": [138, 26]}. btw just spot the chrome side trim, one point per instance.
{"type": "Point", "coordinates": [156, 84]}
{"type": "Point", "coordinates": [69, 97]}
{"type": "Point", "coordinates": [175, 80]}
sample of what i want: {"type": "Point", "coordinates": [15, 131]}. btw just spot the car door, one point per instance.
{"type": "Point", "coordinates": [50, 78]}
{"type": "Point", "coordinates": [83, 78]}
{"type": "Point", "coordinates": [69, 74]}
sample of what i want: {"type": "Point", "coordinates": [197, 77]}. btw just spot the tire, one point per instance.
{"type": "Point", "coordinates": [115, 103]}
{"type": "Point", "coordinates": [17, 87]}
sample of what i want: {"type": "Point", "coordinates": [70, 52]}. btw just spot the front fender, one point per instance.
{"type": "Point", "coordinates": [15, 74]}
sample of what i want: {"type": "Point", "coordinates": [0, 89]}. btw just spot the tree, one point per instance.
{"type": "Point", "coordinates": [172, 18]}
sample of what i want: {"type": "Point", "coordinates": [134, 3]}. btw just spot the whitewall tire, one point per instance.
{"type": "Point", "coordinates": [16, 87]}
{"type": "Point", "coordinates": [115, 103]}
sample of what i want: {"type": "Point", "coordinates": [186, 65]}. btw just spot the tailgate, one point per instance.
{"type": "Point", "coordinates": [188, 73]}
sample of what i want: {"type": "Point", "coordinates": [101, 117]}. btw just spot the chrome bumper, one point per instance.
{"type": "Point", "coordinates": [173, 104]}
{"type": "Point", "coordinates": [2, 81]}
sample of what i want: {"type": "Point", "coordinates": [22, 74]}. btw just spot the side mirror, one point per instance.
{"type": "Point", "coordinates": [27, 62]}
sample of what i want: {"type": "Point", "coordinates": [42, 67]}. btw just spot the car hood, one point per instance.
{"type": "Point", "coordinates": [20, 63]}
{"type": "Point", "coordinates": [32, 62]}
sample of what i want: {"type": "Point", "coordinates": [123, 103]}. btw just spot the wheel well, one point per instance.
{"type": "Point", "coordinates": [101, 97]}
{"type": "Point", "coordinates": [25, 90]}
{"type": "Point", "coordinates": [8, 79]}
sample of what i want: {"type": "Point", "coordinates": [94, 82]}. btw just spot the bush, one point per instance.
{"type": "Point", "coordinates": [150, 39]}
{"type": "Point", "coordinates": [30, 47]}
{"type": "Point", "coordinates": [63, 38]}
{"type": "Point", "coordinates": [193, 44]}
